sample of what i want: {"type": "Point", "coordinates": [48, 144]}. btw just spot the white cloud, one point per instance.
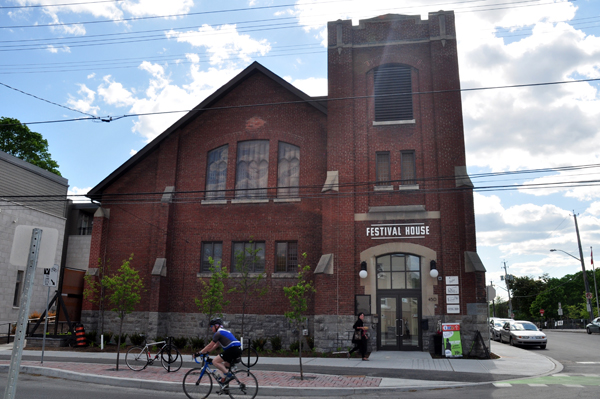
{"type": "Point", "coordinates": [76, 194]}
{"type": "Point", "coordinates": [132, 152]}
{"type": "Point", "coordinates": [312, 86]}
{"type": "Point", "coordinates": [223, 43]}
{"type": "Point", "coordinates": [141, 8]}
{"type": "Point", "coordinates": [114, 93]}
{"type": "Point", "coordinates": [84, 104]}
{"type": "Point", "coordinates": [55, 50]}
{"type": "Point", "coordinates": [91, 75]}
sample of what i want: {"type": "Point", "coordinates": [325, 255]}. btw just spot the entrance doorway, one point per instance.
{"type": "Point", "coordinates": [399, 302]}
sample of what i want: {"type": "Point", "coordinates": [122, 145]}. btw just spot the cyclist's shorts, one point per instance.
{"type": "Point", "coordinates": [229, 355]}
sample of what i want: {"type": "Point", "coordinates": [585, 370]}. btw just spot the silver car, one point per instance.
{"type": "Point", "coordinates": [523, 333]}
{"type": "Point", "coordinates": [496, 325]}
{"type": "Point", "coordinates": [594, 326]}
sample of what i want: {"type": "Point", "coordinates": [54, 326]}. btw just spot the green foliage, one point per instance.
{"type": "Point", "coordinates": [121, 338]}
{"type": "Point", "coordinates": [212, 297]}
{"type": "Point", "coordinates": [137, 339]}
{"type": "Point", "coordinates": [246, 285]}
{"type": "Point", "coordinates": [197, 343]}
{"type": "Point", "coordinates": [298, 295]}
{"type": "Point", "coordinates": [259, 344]}
{"type": "Point", "coordinates": [95, 289]}
{"type": "Point", "coordinates": [295, 346]}
{"type": "Point", "coordinates": [107, 336]}
{"type": "Point", "coordinates": [125, 287]}
{"type": "Point", "coordinates": [91, 336]}
{"type": "Point", "coordinates": [16, 139]}
{"type": "Point", "coordinates": [180, 342]}
{"type": "Point", "coordinates": [276, 343]}
{"type": "Point", "coordinates": [524, 291]}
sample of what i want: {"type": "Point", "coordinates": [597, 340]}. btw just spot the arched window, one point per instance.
{"type": "Point", "coordinates": [216, 173]}
{"type": "Point", "coordinates": [288, 174]}
{"type": "Point", "coordinates": [252, 169]}
{"type": "Point", "coordinates": [398, 272]}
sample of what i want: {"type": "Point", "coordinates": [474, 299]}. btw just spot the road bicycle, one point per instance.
{"type": "Point", "coordinates": [198, 382]}
{"type": "Point", "coordinates": [139, 357]}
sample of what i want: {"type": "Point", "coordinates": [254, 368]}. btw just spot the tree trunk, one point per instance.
{"type": "Point", "coordinates": [119, 343]}
{"type": "Point", "coordinates": [300, 351]}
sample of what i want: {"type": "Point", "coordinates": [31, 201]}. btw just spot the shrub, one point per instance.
{"type": "Point", "coordinates": [276, 343]}
{"type": "Point", "coordinates": [91, 336]}
{"type": "Point", "coordinates": [197, 343]}
{"type": "Point", "coordinates": [180, 342]}
{"type": "Point", "coordinates": [137, 339]}
{"type": "Point", "coordinates": [259, 344]}
{"type": "Point", "coordinates": [295, 346]}
{"type": "Point", "coordinates": [107, 336]}
{"type": "Point", "coordinates": [123, 338]}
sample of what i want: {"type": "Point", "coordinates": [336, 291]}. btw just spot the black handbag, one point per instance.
{"type": "Point", "coordinates": [356, 337]}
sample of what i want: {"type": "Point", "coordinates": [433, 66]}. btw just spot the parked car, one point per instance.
{"type": "Point", "coordinates": [496, 325]}
{"type": "Point", "coordinates": [521, 332]}
{"type": "Point", "coordinates": [594, 326]}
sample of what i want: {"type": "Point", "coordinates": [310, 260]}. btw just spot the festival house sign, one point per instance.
{"type": "Point", "coordinates": [397, 230]}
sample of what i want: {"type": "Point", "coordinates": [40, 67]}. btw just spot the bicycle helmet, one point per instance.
{"type": "Point", "coordinates": [215, 322]}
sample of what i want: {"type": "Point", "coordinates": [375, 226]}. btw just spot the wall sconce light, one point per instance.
{"type": "Point", "coordinates": [363, 270]}
{"type": "Point", "coordinates": [433, 272]}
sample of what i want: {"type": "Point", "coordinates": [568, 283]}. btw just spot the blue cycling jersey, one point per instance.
{"type": "Point", "coordinates": [226, 339]}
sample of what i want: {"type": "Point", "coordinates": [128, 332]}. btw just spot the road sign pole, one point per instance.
{"type": "Point", "coordinates": [45, 325]}
{"type": "Point", "coordinates": [19, 343]}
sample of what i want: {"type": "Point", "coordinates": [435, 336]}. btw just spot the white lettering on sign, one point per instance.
{"type": "Point", "coordinates": [399, 230]}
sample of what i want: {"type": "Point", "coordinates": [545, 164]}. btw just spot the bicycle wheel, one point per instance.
{"type": "Point", "coordinates": [137, 358]}
{"type": "Point", "coordinates": [249, 356]}
{"type": "Point", "coordinates": [244, 385]}
{"type": "Point", "coordinates": [171, 359]}
{"type": "Point", "coordinates": [196, 387]}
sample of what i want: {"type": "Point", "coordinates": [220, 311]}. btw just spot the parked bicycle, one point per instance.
{"type": "Point", "coordinates": [139, 357]}
{"type": "Point", "coordinates": [198, 382]}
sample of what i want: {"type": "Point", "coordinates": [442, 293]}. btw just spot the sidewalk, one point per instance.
{"type": "Point", "coordinates": [386, 371]}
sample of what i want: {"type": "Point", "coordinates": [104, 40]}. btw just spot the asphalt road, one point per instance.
{"type": "Point", "coordinates": [580, 378]}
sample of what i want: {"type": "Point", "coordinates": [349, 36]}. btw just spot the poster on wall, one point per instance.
{"type": "Point", "coordinates": [452, 343]}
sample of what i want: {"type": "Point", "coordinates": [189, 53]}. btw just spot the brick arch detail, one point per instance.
{"type": "Point", "coordinates": [427, 283]}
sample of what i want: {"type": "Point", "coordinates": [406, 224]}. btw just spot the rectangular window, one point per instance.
{"type": "Point", "coordinates": [408, 173]}
{"type": "Point", "coordinates": [248, 256]}
{"type": "Point", "coordinates": [287, 257]}
{"type": "Point", "coordinates": [18, 288]}
{"type": "Point", "coordinates": [393, 93]}
{"type": "Point", "coordinates": [84, 224]}
{"type": "Point", "coordinates": [212, 250]}
{"type": "Point", "coordinates": [288, 171]}
{"type": "Point", "coordinates": [216, 173]}
{"type": "Point", "coordinates": [383, 168]}
{"type": "Point", "coordinates": [252, 169]}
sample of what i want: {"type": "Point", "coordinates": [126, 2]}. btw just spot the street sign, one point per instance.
{"type": "Point", "coordinates": [589, 295]}
{"type": "Point", "coordinates": [560, 312]}
{"type": "Point", "coordinates": [51, 276]}
{"type": "Point", "coordinates": [542, 312]}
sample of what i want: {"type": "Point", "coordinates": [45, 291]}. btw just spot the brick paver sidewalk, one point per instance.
{"type": "Point", "coordinates": [265, 378]}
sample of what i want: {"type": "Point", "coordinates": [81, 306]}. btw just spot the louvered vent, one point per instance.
{"type": "Point", "coordinates": [393, 93]}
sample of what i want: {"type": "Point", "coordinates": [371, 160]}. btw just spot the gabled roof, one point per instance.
{"type": "Point", "coordinates": [255, 67]}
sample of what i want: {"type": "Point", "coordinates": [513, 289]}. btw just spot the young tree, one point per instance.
{"type": "Point", "coordinates": [212, 298]}
{"type": "Point", "coordinates": [298, 296]}
{"type": "Point", "coordinates": [16, 139]}
{"type": "Point", "coordinates": [95, 289]}
{"type": "Point", "coordinates": [246, 284]}
{"type": "Point", "coordinates": [125, 289]}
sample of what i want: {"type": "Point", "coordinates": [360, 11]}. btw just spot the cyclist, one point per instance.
{"type": "Point", "coordinates": [232, 348]}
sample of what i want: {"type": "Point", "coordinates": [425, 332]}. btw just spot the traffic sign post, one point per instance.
{"type": "Point", "coordinates": [542, 312]}
{"type": "Point", "coordinates": [50, 279]}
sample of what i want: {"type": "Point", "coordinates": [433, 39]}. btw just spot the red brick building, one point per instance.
{"type": "Point", "coordinates": [371, 177]}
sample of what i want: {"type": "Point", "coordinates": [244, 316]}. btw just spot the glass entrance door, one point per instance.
{"type": "Point", "coordinates": [399, 322]}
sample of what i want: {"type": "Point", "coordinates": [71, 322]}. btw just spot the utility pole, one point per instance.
{"type": "Point", "coordinates": [588, 298]}
{"type": "Point", "coordinates": [506, 276]}
{"type": "Point", "coordinates": [595, 286]}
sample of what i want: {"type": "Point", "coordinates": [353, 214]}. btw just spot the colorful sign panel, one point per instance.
{"type": "Point", "coordinates": [451, 340]}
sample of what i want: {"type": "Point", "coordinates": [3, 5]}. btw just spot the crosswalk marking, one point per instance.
{"type": "Point", "coordinates": [566, 380]}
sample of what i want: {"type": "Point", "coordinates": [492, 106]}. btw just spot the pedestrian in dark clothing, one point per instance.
{"type": "Point", "coordinates": [359, 339]}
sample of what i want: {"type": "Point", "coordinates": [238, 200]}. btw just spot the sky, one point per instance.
{"type": "Point", "coordinates": [532, 148]}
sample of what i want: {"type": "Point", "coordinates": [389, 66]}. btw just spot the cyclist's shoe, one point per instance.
{"type": "Point", "coordinates": [226, 378]}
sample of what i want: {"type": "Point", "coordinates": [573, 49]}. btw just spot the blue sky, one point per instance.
{"type": "Point", "coordinates": [114, 58]}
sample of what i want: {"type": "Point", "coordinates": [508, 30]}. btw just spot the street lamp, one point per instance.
{"type": "Point", "coordinates": [585, 280]}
